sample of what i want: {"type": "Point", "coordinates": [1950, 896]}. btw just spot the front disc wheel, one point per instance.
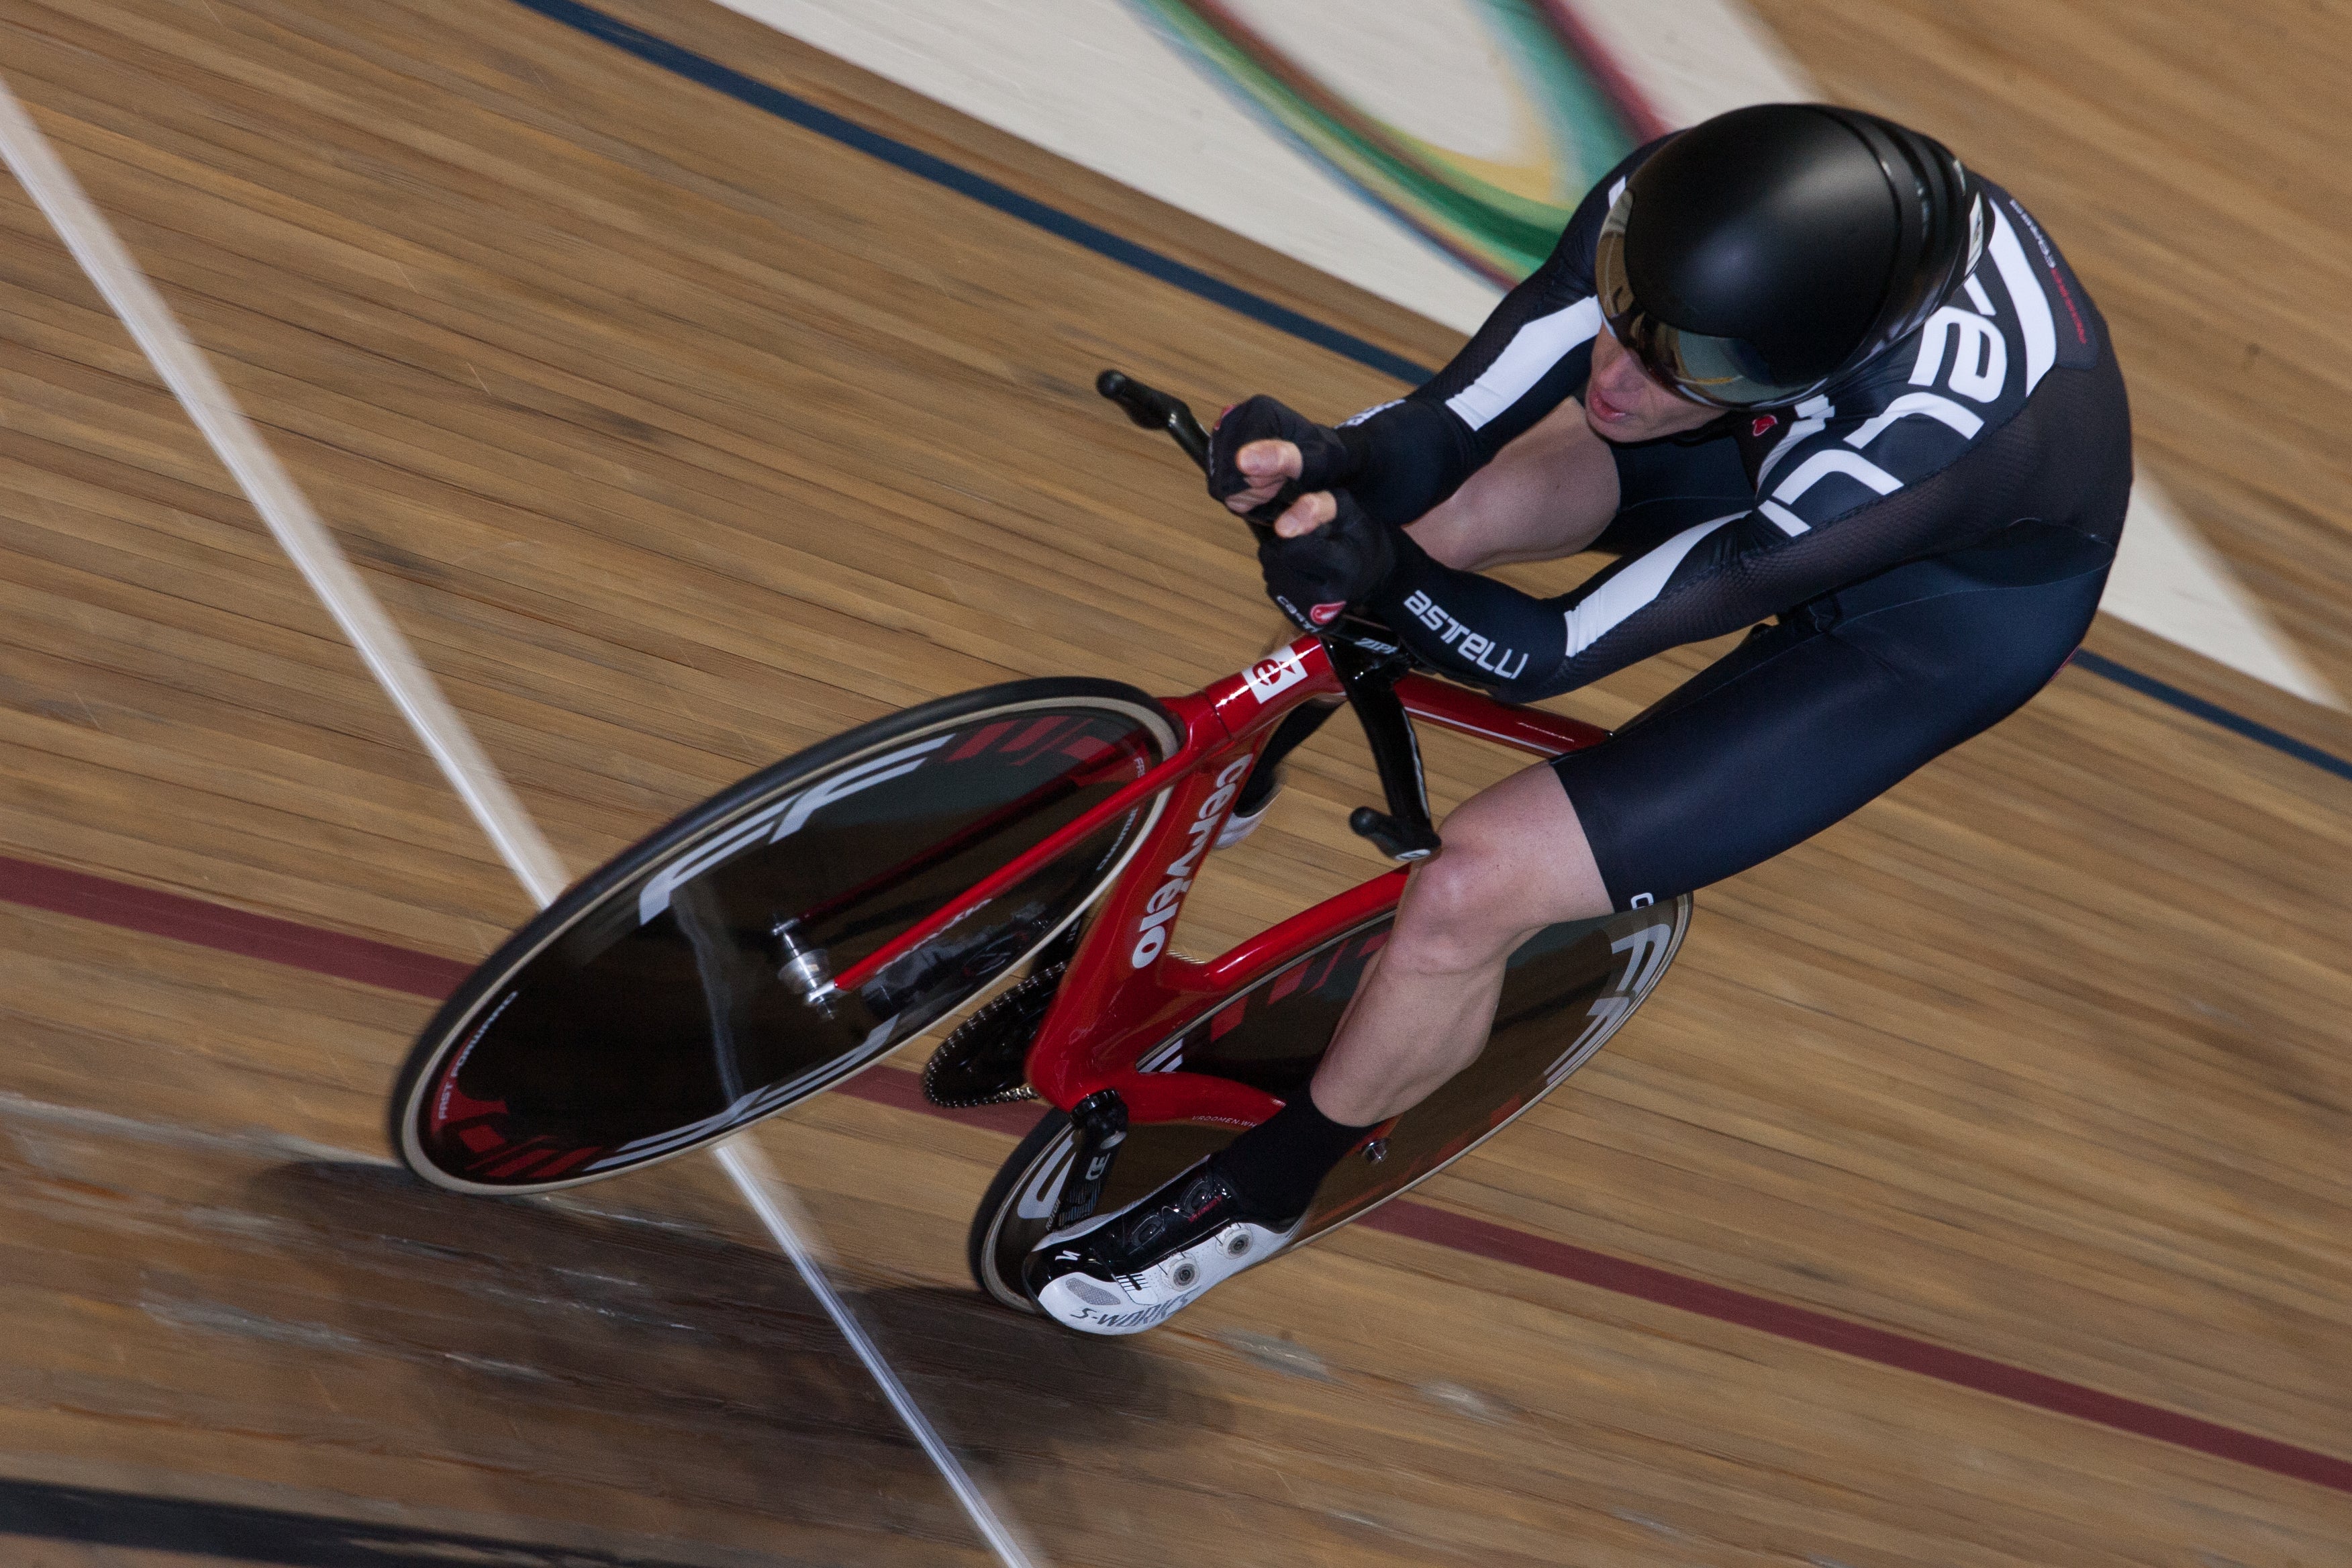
{"type": "Point", "coordinates": [683, 991]}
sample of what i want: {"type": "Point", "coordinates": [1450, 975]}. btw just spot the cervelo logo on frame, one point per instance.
{"type": "Point", "coordinates": [1276, 673]}
{"type": "Point", "coordinates": [794, 809]}
{"type": "Point", "coordinates": [1151, 932]}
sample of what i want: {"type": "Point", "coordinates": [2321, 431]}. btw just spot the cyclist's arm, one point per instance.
{"type": "Point", "coordinates": [1532, 353]}
{"type": "Point", "coordinates": [1709, 580]}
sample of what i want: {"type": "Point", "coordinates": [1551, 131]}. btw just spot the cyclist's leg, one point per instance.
{"type": "Point", "coordinates": [1425, 1007]}
{"type": "Point", "coordinates": [1421, 1016]}
{"type": "Point", "coordinates": [1794, 729]}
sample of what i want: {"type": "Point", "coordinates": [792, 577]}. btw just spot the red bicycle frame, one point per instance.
{"type": "Point", "coordinates": [1124, 991]}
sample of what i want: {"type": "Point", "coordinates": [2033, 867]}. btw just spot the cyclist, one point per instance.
{"type": "Point", "coordinates": [1794, 363]}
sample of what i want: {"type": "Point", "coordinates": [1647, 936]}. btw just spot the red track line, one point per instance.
{"type": "Point", "coordinates": [158, 913]}
{"type": "Point", "coordinates": [1465, 1233]}
{"type": "Point", "coordinates": [182, 919]}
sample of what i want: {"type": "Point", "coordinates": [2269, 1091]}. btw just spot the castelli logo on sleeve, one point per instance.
{"type": "Point", "coordinates": [1324, 615]}
{"type": "Point", "coordinates": [1481, 651]}
{"type": "Point", "coordinates": [1762, 423]}
{"type": "Point", "coordinates": [1151, 932]}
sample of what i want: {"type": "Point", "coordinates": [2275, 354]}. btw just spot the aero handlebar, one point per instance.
{"type": "Point", "coordinates": [1366, 655]}
{"type": "Point", "coordinates": [1156, 410]}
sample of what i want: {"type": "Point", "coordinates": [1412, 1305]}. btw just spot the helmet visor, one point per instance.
{"type": "Point", "coordinates": [1727, 372]}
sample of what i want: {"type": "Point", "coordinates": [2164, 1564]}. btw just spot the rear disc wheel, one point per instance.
{"type": "Point", "coordinates": [1566, 990]}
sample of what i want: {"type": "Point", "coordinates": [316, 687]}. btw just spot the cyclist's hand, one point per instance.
{"type": "Point", "coordinates": [1317, 564]}
{"type": "Point", "coordinates": [1267, 466]}
{"type": "Point", "coordinates": [1261, 444]}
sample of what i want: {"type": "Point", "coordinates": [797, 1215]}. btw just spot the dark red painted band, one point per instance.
{"type": "Point", "coordinates": [183, 918]}
{"type": "Point", "coordinates": [1484, 1238]}
{"type": "Point", "coordinates": [298, 946]}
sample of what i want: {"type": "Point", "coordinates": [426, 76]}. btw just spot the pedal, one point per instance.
{"type": "Point", "coordinates": [1101, 1121]}
{"type": "Point", "coordinates": [1397, 841]}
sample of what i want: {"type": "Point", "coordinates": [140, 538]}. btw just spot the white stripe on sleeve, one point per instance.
{"type": "Point", "coordinates": [1533, 350]}
{"type": "Point", "coordinates": [1822, 464]}
{"type": "Point", "coordinates": [1608, 605]}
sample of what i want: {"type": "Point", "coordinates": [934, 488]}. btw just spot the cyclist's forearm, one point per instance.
{"type": "Point", "coordinates": [1471, 627]}
{"type": "Point", "coordinates": [1549, 493]}
{"type": "Point", "coordinates": [1407, 458]}
{"type": "Point", "coordinates": [1489, 634]}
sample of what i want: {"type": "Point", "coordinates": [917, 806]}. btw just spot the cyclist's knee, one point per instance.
{"type": "Point", "coordinates": [1515, 861]}
{"type": "Point", "coordinates": [1460, 912]}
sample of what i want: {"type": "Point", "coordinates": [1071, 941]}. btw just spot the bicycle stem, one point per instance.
{"type": "Point", "coordinates": [1365, 656]}
{"type": "Point", "coordinates": [1405, 832]}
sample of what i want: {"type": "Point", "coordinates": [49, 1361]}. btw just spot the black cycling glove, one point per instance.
{"type": "Point", "coordinates": [1327, 459]}
{"type": "Point", "coordinates": [1314, 577]}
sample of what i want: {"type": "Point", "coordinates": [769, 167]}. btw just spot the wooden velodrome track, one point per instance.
{"type": "Point", "coordinates": [1969, 1150]}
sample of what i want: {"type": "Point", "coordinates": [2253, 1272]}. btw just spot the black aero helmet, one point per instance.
{"type": "Point", "coordinates": [1760, 255]}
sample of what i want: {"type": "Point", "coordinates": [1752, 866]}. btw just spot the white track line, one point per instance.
{"type": "Point", "coordinates": [773, 1203]}
{"type": "Point", "coordinates": [297, 528]}
{"type": "Point", "coordinates": [281, 504]}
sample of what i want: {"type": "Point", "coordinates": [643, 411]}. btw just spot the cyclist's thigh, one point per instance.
{"type": "Point", "coordinates": [1801, 725]}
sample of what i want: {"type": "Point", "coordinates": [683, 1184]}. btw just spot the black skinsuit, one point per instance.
{"type": "Point", "coordinates": [1932, 532]}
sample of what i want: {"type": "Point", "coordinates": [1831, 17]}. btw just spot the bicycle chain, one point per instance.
{"type": "Point", "coordinates": [982, 1061]}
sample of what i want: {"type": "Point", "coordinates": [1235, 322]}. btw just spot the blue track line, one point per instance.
{"type": "Point", "coordinates": [964, 182]}
{"type": "Point", "coordinates": [783, 105]}
{"type": "Point", "coordinates": [2212, 712]}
